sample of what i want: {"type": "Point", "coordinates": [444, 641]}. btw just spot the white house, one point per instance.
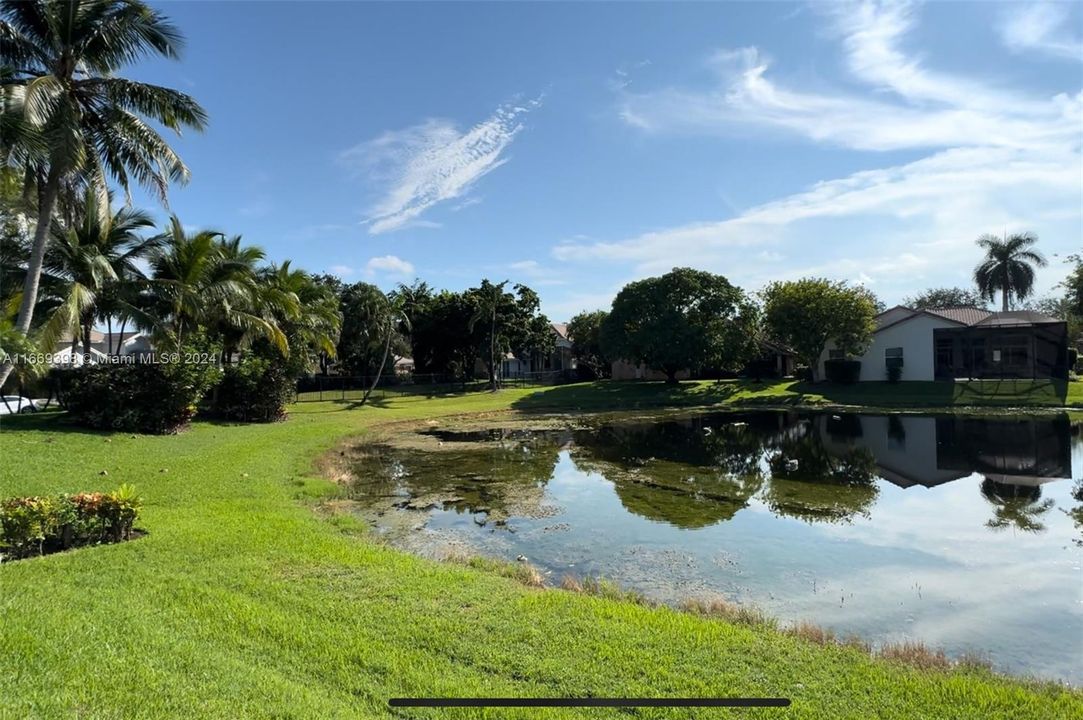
{"type": "Point", "coordinates": [64, 357]}
{"type": "Point", "coordinates": [961, 342]}
{"type": "Point", "coordinates": [915, 450]}
{"type": "Point", "coordinates": [102, 345]}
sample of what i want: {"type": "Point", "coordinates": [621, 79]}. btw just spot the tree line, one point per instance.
{"type": "Point", "coordinates": [446, 333]}
{"type": "Point", "coordinates": [693, 320]}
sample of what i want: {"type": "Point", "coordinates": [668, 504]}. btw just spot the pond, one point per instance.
{"type": "Point", "coordinates": [961, 532]}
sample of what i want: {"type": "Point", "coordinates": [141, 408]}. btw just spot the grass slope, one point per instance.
{"type": "Point", "coordinates": [242, 602]}
{"type": "Point", "coordinates": [932, 395]}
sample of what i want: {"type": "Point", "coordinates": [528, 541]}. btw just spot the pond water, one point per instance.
{"type": "Point", "coordinates": [961, 532]}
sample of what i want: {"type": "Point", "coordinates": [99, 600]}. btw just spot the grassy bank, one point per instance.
{"type": "Point", "coordinates": [243, 602]}
{"type": "Point", "coordinates": [1039, 394]}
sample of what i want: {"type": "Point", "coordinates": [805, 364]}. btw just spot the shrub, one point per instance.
{"type": "Point", "coordinates": [154, 398]}
{"type": "Point", "coordinates": [894, 373]}
{"type": "Point", "coordinates": [36, 525]}
{"type": "Point", "coordinates": [254, 390]}
{"type": "Point", "coordinates": [842, 371]}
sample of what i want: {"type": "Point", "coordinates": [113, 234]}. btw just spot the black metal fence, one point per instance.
{"type": "Point", "coordinates": [316, 388]}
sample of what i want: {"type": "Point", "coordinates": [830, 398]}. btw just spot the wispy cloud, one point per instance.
{"type": "Point", "coordinates": [998, 159]}
{"type": "Point", "coordinates": [430, 163]}
{"type": "Point", "coordinates": [341, 270]}
{"type": "Point", "coordinates": [534, 273]}
{"type": "Point", "coordinates": [922, 109]}
{"type": "Point", "coordinates": [389, 266]}
{"type": "Point", "coordinates": [1043, 27]}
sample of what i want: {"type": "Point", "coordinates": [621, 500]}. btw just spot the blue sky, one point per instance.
{"type": "Point", "coordinates": [577, 147]}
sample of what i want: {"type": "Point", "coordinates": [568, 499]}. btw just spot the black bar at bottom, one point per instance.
{"type": "Point", "coordinates": [589, 702]}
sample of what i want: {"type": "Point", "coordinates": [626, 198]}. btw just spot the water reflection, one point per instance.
{"type": "Point", "coordinates": [948, 530]}
{"type": "Point", "coordinates": [702, 470]}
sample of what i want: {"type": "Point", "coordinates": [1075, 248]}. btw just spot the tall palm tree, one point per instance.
{"type": "Point", "coordinates": [1008, 267]}
{"type": "Point", "coordinates": [60, 63]}
{"type": "Point", "coordinates": [490, 296]}
{"type": "Point", "coordinates": [93, 259]}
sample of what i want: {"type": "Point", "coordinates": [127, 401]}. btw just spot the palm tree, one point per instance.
{"type": "Point", "coordinates": [395, 318]}
{"type": "Point", "coordinates": [1008, 267]}
{"type": "Point", "coordinates": [257, 309]}
{"type": "Point", "coordinates": [93, 260]}
{"type": "Point", "coordinates": [490, 296]}
{"type": "Point", "coordinates": [202, 281]}
{"type": "Point", "coordinates": [60, 66]}
{"type": "Point", "coordinates": [314, 326]}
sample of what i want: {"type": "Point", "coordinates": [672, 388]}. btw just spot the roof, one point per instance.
{"type": "Point", "coordinates": [98, 337]}
{"type": "Point", "coordinates": [561, 329]}
{"type": "Point", "coordinates": [1017, 318]}
{"type": "Point", "coordinates": [966, 316]}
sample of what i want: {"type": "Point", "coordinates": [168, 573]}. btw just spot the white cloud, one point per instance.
{"type": "Point", "coordinates": [922, 108]}
{"type": "Point", "coordinates": [533, 273]}
{"type": "Point", "coordinates": [432, 162]}
{"type": "Point", "coordinates": [924, 216]}
{"type": "Point", "coordinates": [341, 270]}
{"type": "Point", "coordinates": [998, 160]}
{"type": "Point", "coordinates": [1043, 27]}
{"type": "Point", "coordinates": [389, 265]}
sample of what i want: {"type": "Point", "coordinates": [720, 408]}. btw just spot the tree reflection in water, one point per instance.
{"type": "Point", "coordinates": [699, 471]}
{"type": "Point", "coordinates": [813, 484]}
{"type": "Point", "coordinates": [1017, 506]}
{"type": "Point", "coordinates": [1076, 513]}
{"type": "Point", "coordinates": [689, 473]}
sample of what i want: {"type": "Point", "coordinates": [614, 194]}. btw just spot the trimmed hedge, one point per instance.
{"type": "Point", "coordinates": [842, 371]}
{"type": "Point", "coordinates": [37, 525]}
{"type": "Point", "coordinates": [156, 398]}
{"type": "Point", "coordinates": [256, 389]}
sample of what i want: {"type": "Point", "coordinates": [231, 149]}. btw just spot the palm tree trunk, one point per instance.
{"type": "Point", "coordinates": [1005, 286]}
{"type": "Point", "coordinates": [37, 259]}
{"type": "Point", "coordinates": [120, 334]}
{"type": "Point", "coordinates": [383, 361]}
{"type": "Point", "coordinates": [86, 338]}
{"type": "Point", "coordinates": [492, 350]}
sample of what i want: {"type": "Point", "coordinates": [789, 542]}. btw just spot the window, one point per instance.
{"type": "Point", "coordinates": [836, 355]}
{"type": "Point", "coordinates": [893, 357]}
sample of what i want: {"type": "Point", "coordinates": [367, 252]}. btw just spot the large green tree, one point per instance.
{"type": "Point", "coordinates": [805, 314]}
{"type": "Point", "coordinates": [61, 67]}
{"type": "Point", "coordinates": [685, 319]}
{"type": "Point", "coordinates": [1008, 267]}
{"type": "Point", "coordinates": [945, 297]}
{"type": "Point", "coordinates": [585, 332]}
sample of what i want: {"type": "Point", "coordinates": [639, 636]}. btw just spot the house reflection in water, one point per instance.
{"type": "Point", "coordinates": [920, 450]}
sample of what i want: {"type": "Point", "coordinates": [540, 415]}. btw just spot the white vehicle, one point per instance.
{"type": "Point", "coordinates": [11, 404]}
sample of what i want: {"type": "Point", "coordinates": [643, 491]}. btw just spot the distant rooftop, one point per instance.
{"type": "Point", "coordinates": [967, 315]}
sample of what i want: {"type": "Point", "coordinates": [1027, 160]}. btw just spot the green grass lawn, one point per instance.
{"type": "Point", "coordinates": [242, 601]}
